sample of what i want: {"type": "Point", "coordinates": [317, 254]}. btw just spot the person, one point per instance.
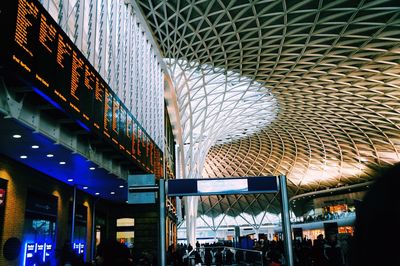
{"type": "Point", "coordinates": [333, 251]}
{"type": "Point", "coordinates": [68, 256]}
{"type": "Point", "coordinates": [197, 258]}
{"type": "Point", "coordinates": [379, 210]}
{"type": "Point", "coordinates": [208, 256]}
{"type": "Point", "coordinates": [228, 257]}
{"type": "Point", "coordinates": [113, 253]}
{"type": "Point", "coordinates": [317, 251]}
{"type": "Point", "coordinates": [274, 258]}
{"type": "Point", "coordinates": [218, 257]}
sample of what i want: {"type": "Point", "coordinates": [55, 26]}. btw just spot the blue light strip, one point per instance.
{"type": "Point", "coordinates": [83, 125]}
{"type": "Point", "coordinates": [25, 248]}
{"type": "Point", "coordinates": [47, 98]}
{"type": "Point", "coordinates": [44, 252]}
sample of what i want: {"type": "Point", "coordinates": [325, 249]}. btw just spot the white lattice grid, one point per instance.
{"type": "Point", "coordinates": [216, 106]}
{"type": "Point", "coordinates": [334, 68]}
{"type": "Point", "coordinates": [109, 34]}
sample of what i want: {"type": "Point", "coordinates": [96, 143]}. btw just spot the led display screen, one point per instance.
{"type": "Point", "coordinates": [35, 49]}
{"type": "Point", "coordinates": [222, 186]}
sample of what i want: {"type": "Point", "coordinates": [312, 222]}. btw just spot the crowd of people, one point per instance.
{"type": "Point", "coordinates": [329, 251]}
{"type": "Point", "coordinates": [108, 253]}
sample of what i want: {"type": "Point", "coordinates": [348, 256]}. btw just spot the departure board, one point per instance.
{"type": "Point", "coordinates": [37, 50]}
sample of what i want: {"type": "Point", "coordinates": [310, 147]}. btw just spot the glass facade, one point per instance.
{"type": "Point", "coordinates": [114, 40]}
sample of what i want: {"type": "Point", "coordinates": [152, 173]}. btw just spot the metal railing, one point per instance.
{"type": "Point", "coordinates": [222, 255]}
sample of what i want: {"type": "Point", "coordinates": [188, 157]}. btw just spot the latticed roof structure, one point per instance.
{"type": "Point", "coordinates": [328, 88]}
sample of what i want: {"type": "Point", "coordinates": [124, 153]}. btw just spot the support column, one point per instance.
{"type": "Point", "coordinates": [191, 205]}
{"type": "Point", "coordinates": [286, 228]}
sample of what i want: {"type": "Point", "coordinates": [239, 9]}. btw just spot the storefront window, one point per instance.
{"type": "Point", "coordinates": [125, 231]}
{"type": "Point", "coordinates": [39, 229]}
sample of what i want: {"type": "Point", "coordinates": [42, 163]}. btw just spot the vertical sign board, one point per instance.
{"type": "Point", "coordinates": [35, 49]}
{"type": "Point", "coordinates": [140, 181]}
{"type": "Point", "coordinates": [330, 228]}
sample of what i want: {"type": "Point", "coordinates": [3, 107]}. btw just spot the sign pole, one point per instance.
{"type": "Point", "coordinates": [287, 232]}
{"type": "Point", "coordinates": [162, 222]}
{"type": "Point", "coordinates": [73, 216]}
{"type": "Point", "coordinates": [93, 240]}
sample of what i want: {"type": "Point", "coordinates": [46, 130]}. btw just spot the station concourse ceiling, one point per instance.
{"type": "Point", "coordinates": [331, 66]}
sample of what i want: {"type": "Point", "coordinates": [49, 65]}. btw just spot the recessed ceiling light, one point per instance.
{"type": "Point", "coordinates": [121, 186]}
{"type": "Point", "coordinates": [70, 179]}
{"type": "Point", "coordinates": [62, 162]}
{"type": "Point", "coordinates": [16, 136]}
{"type": "Point", "coordinates": [23, 156]}
{"type": "Point", "coordinates": [35, 147]}
{"type": "Point", "coordinates": [85, 187]}
{"type": "Point", "coordinates": [92, 168]}
{"type": "Point", "coordinates": [112, 192]}
{"type": "Point", "coordinates": [50, 155]}
{"type": "Point", "coordinates": [97, 193]}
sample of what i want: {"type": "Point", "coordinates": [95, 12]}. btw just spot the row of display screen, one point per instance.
{"type": "Point", "coordinates": [36, 253]}
{"type": "Point", "coordinates": [45, 57]}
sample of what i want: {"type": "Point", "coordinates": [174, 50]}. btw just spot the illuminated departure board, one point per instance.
{"type": "Point", "coordinates": [35, 49]}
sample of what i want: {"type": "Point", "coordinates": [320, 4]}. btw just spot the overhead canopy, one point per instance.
{"type": "Point", "coordinates": [331, 66]}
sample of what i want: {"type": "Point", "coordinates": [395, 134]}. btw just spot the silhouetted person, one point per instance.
{"type": "Point", "coordinates": [379, 210]}
{"type": "Point", "coordinates": [333, 251]}
{"type": "Point", "coordinates": [113, 253]}
{"type": "Point", "coordinates": [68, 256]}
{"type": "Point", "coordinates": [218, 257]}
{"type": "Point", "coordinates": [228, 257]}
{"type": "Point", "coordinates": [189, 248]}
{"type": "Point", "coordinates": [318, 256]}
{"type": "Point", "coordinates": [197, 258]}
{"type": "Point", "coordinates": [274, 258]}
{"type": "Point", "coordinates": [207, 257]}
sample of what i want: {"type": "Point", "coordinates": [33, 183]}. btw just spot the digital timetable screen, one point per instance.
{"type": "Point", "coordinates": [41, 54]}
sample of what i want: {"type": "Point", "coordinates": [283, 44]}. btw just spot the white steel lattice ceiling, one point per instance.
{"type": "Point", "coordinates": [331, 66]}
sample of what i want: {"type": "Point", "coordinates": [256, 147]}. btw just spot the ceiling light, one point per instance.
{"type": "Point", "coordinates": [35, 147]}
{"type": "Point", "coordinates": [62, 162]}
{"type": "Point", "coordinates": [97, 193]}
{"type": "Point", "coordinates": [50, 155]}
{"type": "Point", "coordinates": [121, 186]}
{"type": "Point", "coordinates": [23, 156]}
{"type": "Point", "coordinates": [70, 179]}
{"type": "Point", "coordinates": [92, 168]}
{"type": "Point", "coordinates": [85, 187]}
{"type": "Point", "coordinates": [112, 192]}
{"type": "Point", "coordinates": [16, 136]}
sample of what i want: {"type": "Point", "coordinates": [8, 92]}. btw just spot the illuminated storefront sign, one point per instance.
{"type": "Point", "coordinates": [79, 248]}
{"type": "Point", "coordinates": [2, 196]}
{"type": "Point", "coordinates": [37, 253]}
